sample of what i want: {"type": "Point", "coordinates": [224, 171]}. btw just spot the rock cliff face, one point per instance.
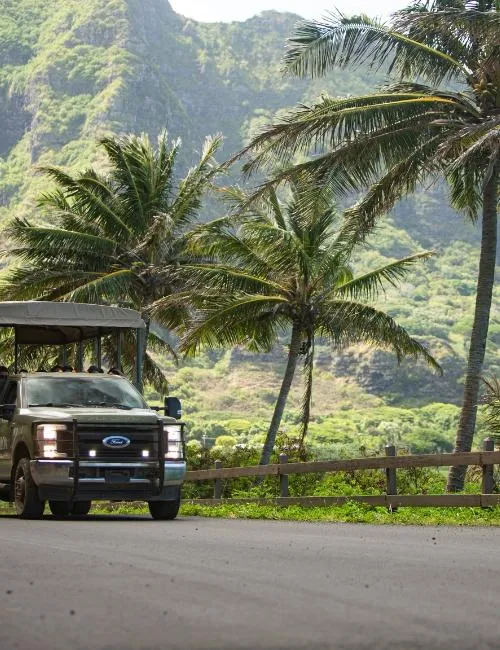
{"type": "Point", "coordinates": [71, 71]}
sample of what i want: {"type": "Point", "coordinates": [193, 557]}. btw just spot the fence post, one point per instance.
{"type": "Point", "coordinates": [283, 477]}
{"type": "Point", "coordinates": [218, 481]}
{"type": "Point", "coordinates": [390, 475]}
{"type": "Point", "coordinates": [488, 482]}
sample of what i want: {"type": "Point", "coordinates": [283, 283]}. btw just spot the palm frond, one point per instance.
{"type": "Point", "coordinates": [273, 202]}
{"type": "Point", "coordinates": [158, 238]}
{"type": "Point", "coordinates": [484, 135]}
{"type": "Point", "coordinates": [465, 188]}
{"type": "Point", "coordinates": [159, 345]}
{"type": "Point", "coordinates": [337, 41]}
{"type": "Point", "coordinates": [114, 288]}
{"type": "Point", "coordinates": [224, 245]}
{"type": "Point", "coordinates": [196, 182]}
{"type": "Point", "coordinates": [130, 159]}
{"type": "Point", "coordinates": [227, 279]}
{"type": "Point", "coordinates": [90, 193]}
{"type": "Point", "coordinates": [470, 169]}
{"type": "Point", "coordinates": [60, 211]}
{"type": "Point", "coordinates": [173, 311]}
{"type": "Point", "coordinates": [466, 32]}
{"type": "Point", "coordinates": [33, 283]}
{"type": "Point", "coordinates": [391, 165]}
{"type": "Point", "coordinates": [398, 181]}
{"type": "Point", "coordinates": [51, 242]}
{"type": "Point", "coordinates": [370, 285]}
{"type": "Point", "coordinates": [335, 123]}
{"type": "Point", "coordinates": [231, 321]}
{"type": "Point", "coordinates": [465, 99]}
{"type": "Point", "coordinates": [347, 323]}
{"type": "Point", "coordinates": [154, 375]}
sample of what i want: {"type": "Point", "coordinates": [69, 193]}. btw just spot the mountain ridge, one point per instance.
{"type": "Point", "coordinates": [72, 72]}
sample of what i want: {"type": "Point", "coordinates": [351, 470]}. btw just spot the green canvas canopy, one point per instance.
{"type": "Point", "coordinates": [59, 323]}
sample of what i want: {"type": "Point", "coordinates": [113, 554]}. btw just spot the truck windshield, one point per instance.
{"type": "Point", "coordinates": [92, 391]}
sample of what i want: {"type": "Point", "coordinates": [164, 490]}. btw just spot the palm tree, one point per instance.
{"type": "Point", "coordinates": [284, 269]}
{"type": "Point", "coordinates": [446, 124]}
{"type": "Point", "coordinates": [116, 237]}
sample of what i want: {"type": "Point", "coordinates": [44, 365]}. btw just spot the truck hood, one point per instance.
{"type": "Point", "coordinates": [101, 415]}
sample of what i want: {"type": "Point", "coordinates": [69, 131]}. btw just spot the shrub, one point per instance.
{"type": "Point", "coordinates": [224, 442]}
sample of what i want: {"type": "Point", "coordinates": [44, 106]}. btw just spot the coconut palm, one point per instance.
{"type": "Point", "coordinates": [440, 117]}
{"type": "Point", "coordinates": [281, 269]}
{"type": "Point", "coordinates": [115, 237]}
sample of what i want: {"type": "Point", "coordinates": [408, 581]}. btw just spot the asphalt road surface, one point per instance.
{"type": "Point", "coordinates": [130, 583]}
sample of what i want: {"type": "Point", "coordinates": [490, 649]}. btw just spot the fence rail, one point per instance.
{"type": "Point", "coordinates": [486, 459]}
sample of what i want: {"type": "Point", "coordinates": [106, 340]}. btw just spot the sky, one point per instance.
{"type": "Point", "coordinates": [227, 10]}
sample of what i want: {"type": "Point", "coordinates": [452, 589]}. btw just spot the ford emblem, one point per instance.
{"type": "Point", "coordinates": [116, 442]}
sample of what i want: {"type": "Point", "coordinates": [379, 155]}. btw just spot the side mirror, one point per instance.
{"type": "Point", "coordinates": [7, 411]}
{"type": "Point", "coordinates": [173, 407]}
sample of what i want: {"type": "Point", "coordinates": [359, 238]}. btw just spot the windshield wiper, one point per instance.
{"type": "Point", "coordinates": [55, 405]}
{"type": "Point", "coordinates": [115, 405]}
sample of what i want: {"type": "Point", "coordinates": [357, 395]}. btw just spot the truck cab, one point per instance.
{"type": "Point", "coordinates": [71, 438]}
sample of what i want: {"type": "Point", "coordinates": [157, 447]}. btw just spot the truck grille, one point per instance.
{"type": "Point", "coordinates": [143, 437]}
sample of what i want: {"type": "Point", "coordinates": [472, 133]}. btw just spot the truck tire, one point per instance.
{"type": "Point", "coordinates": [165, 510]}
{"type": "Point", "coordinates": [60, 509]}
{"type": "Point", "coordinates": [81, 508]}
{"type": "Point", "coordinates": [26, 499]}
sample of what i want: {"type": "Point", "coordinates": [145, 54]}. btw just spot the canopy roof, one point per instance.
{"type": "Point", "coordinates": [56, 323]}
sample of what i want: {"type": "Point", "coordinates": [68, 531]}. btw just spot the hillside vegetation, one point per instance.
{"type": "Point", "coordinates": [72, 72]}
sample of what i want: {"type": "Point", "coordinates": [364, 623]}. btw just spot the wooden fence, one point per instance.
{"type": "Point", "coordinates": [485, 459]}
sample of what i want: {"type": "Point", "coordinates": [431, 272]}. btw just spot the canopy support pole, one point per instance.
{"type": "Point", "coordinates": [119, 350]}
{"type": "Point", "coordinates": [16, 351]}
{"type": "Point", "coordinates": [99, 350]}
{"type": "Point", "coordinates": [80, 356]}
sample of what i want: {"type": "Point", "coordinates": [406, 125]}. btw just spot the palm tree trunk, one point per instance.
{"type": "Point", "coordinates": [293, 355]}
{"type": "Point", "coordinates": [147, 321]}
{"type": "Point", "coordinates": [306, 407]}
{"type": "Point", "coordinates": [485, 282]}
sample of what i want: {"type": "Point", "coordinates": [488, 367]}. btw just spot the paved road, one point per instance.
{"type": "Point", "coordinates": [136, 584]}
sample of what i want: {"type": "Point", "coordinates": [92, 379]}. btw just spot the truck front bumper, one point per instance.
{"type": "Point", "coordinates": [97, 480]}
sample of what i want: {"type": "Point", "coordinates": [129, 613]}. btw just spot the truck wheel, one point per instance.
{"type": "Point", "coordinates": [164, 509]}
{"type": "Point", "coordinates": [59, 509]}
{"type": "Point", "coordinates": [81, 508]}
{"type": "Point", "coordinates": [28, 504]}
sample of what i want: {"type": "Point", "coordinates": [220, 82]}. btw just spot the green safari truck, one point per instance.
{"type": "Point", "coordinates": [70, 438]}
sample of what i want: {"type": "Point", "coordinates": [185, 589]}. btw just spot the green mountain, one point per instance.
{"type": "Point", "coordinates": [72, 71]}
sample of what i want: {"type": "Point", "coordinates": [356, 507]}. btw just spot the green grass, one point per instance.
{"type": "Point", "coordinates": [348, 513]}
{"type": "Point", "coordinates": [352, 513]}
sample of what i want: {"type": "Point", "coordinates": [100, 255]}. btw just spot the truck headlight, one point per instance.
{"type": "Point", "coordinates": [54, 440]}
{"type": "Point", "coordinates": [172, 437]}
{"type": "Point", "coordinates": [49, 431]}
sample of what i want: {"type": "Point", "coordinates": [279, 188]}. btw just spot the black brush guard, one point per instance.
{"type": "Point", "coordinates": [157, 490]}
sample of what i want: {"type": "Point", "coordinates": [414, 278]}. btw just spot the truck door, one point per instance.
{"type": "Point", "coordinates": [8, 401]}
